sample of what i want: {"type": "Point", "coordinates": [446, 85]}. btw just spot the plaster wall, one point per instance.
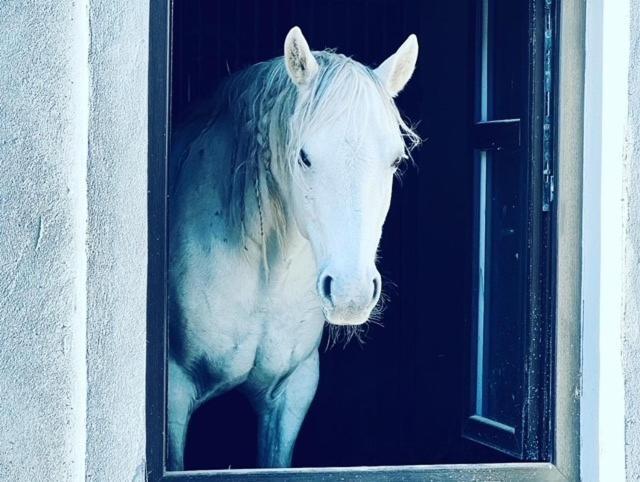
{"type": "Point", "coordinates": [631, 250]}
{"type": "Point", "coordinates": [117, 240]}
{"type": "Point", "coordinates": [73, 143]}
{"type": "Point", "coordinates": [606, 99]}
{"type": "Point", "coordinates": [43, 138]}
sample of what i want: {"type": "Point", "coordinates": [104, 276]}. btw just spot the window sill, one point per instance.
{"type": "Point", "coordinates": [531, 471]}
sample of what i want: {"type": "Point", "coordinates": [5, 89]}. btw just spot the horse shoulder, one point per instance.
{"type": "Point", "coordinates": [212, 281]}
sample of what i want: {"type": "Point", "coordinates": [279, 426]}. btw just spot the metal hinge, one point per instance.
{"type": "Point", "coordinates": [547, 123]}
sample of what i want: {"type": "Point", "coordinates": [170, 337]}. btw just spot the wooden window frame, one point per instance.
{"type": "Point", "coordinates": [567, 223]}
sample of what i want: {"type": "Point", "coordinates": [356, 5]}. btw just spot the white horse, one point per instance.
{"type": "Point", "coordinates": [284, 184]}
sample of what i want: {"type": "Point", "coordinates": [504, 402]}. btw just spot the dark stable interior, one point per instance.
{"type": "Point", "coordinates": [398, 398]}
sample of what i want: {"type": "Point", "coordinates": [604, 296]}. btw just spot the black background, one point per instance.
{"type": "Point", "coordinates": [399, 398]}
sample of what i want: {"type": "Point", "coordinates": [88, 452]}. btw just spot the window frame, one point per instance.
{"type": "Point", "coordinates": [565, 464]}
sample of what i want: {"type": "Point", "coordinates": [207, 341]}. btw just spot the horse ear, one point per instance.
{"type": "Point", "coordinates": [301, 64]}
{"type": "Point", "coordinates": [396, 71]}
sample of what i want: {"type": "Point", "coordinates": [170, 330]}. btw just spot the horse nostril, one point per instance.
{"type": "Point", "coordinates": [326, 287]}
{"type": "Point", "coordinates": [376, 288]}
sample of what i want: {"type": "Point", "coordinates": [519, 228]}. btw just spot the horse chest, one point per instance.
{"type": "Point", "coordinates": [253, 331]}
{"type": "Point", "coordinates": [291, 319]}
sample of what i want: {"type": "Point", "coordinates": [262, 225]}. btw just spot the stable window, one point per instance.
{"type": "Point", "coordinates": [462, 379]}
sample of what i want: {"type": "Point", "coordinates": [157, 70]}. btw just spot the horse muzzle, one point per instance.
{"type": "Point", "coordinates": [348, 300]}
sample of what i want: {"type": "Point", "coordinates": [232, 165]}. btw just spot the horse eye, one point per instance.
{"type": "Point", "coordinates": [304, 159]}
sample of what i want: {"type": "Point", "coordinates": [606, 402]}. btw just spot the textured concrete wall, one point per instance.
{"type": "Point", "coordinates": [631, 276]}
{"type": "Point", "coordinates": [117, 240]}
{"type": "Point", "coordinates": [73, 104]}
{"type": "Point", "coordinates": [43, 138]}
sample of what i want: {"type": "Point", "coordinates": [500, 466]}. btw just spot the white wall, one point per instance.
{"type": "Point", "coordinates": [43, 138]}
{"type": "Point", "coordinates": [610, 404]}
{"type": "Point", "coordinates": [117, 240]}
{"type": "Point", "coordinates": [73, 106]}
{"type": "Point", "coordinates": [606, 102]}
{"type": "Point", "coordinates": [631, 256]}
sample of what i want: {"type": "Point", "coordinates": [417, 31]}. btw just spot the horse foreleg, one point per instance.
{"type": "Point", "coordinates": [180, 398]}
{"type": "Point", "coordinates": [280, 418]}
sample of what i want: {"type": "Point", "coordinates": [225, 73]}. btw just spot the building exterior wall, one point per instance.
{"type": "Point", "coordinates": [73, 130]}
{"type": "Point", "coordinates": [606, 103]}
{"type": "Point", "coordinates": [631, 271]}
{"type": "Point", "coordinates": [117, 240]}
{"type": "Point", "coordinates": [43, 138]}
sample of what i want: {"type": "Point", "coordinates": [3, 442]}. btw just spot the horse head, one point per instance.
{"type": "Point", "coordinates": [351, 140]}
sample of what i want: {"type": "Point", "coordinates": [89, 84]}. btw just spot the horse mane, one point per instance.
{"type": "Point", "coordinates": [268, 125]}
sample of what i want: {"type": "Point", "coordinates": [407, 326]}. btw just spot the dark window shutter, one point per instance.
{"type": "Point", "coordinates": [508, 406]}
